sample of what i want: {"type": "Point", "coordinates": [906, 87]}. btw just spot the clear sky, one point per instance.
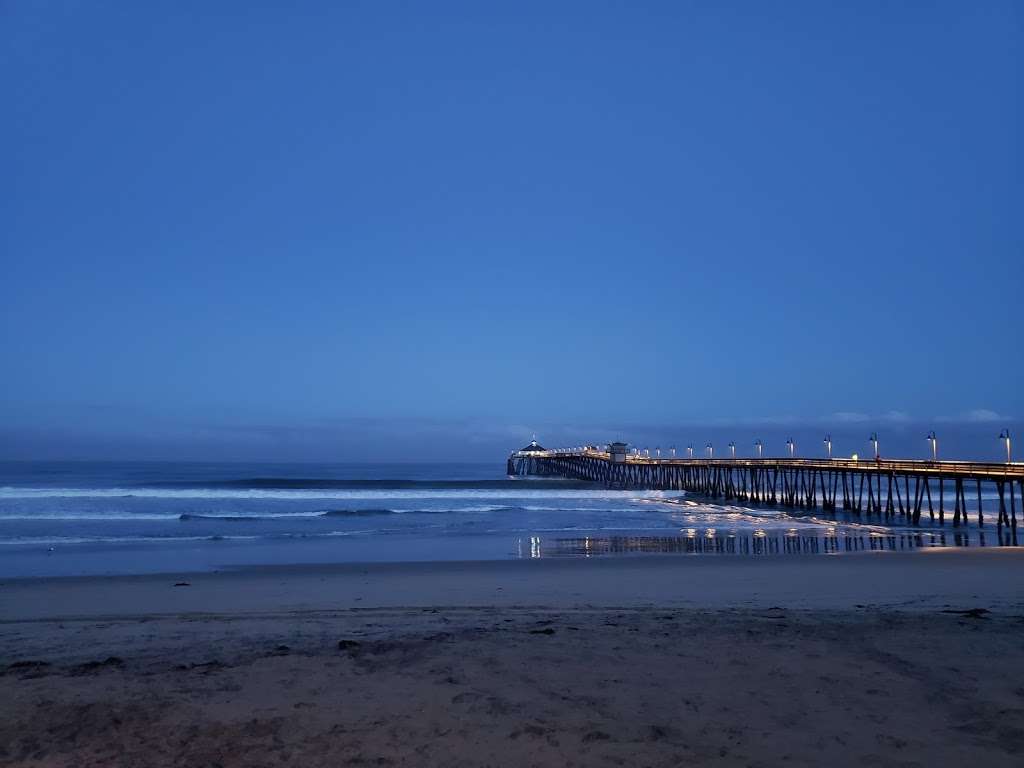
{"type": "Point", "coordinates": [350, 230]}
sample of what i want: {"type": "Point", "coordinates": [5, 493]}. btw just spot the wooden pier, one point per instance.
{"type": "Point", "coordinates": [873, 487]}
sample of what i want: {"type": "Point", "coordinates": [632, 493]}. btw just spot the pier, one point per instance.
{"type": "Point", "coordinates": [861, 487]}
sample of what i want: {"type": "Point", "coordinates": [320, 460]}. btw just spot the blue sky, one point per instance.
{"type": "Point", "coordinates": [351, 230]}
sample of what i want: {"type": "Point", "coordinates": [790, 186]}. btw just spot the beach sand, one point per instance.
{"type": "Point", "coordinates": [886, 659]}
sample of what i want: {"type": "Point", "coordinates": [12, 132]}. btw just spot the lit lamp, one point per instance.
{"type": "Point", "coordinates": [792, 447]}
{"type": "Point", "coordinates": [874, 442]}
{"type": "Point", "coordinates": [673, 450]}
{"type": "Point", "coordinates": [828, 445]}
{"type": "Point", "coordinates": [711, 450]}
{"type": "Point", "coordinates": [931, 438]}
{"type": "Point", "coordinates": [1005, 437]}
{"type": "Point", "coordinates": [689, 450]}
{"type": "Point", "coordinates": [760, 447]}
{"type": "Point", "coordinates": [658, 451]}
{"type": "Point", "coordinates": [732, 447]}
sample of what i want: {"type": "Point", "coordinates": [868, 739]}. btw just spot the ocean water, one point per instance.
{"type": "Point", "coordinates": [71, 518]}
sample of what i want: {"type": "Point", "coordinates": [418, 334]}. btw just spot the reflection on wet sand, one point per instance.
{"type": "Point", "coordinates": [759, 542]}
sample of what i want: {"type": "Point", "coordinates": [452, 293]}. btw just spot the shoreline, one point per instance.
{"type": "Point", "coordinates": [924, 580]}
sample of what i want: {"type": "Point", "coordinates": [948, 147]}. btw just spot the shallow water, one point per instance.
{"type": "Point", "coordinates": [83, 518]}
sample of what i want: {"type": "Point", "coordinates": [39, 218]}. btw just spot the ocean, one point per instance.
{"type": "Point", "coordinates": [88, 518]}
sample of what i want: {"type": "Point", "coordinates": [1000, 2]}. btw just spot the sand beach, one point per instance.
{"type": "Point", "coordinates": [876, 659]}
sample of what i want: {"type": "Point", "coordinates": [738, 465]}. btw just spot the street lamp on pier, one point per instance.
{"type": "Point", "coordinates": [673, 450]}
{"type": "Point", "coordinates": [828, 445]}
{"type": "Point", "coordinates": [711, 450]}
{"type": "Point", "coordinates": [1005, 437]}
{"type": "Point", "coordinates": [792, 447]}
{"type": "Point", "coordinates": [931, 438]}
{"type": "Point", "coordinates": [732, 447]}
{"type": "Point", "coordinates": [874, 442]}
{"type": "Point", "coordinates": [760, 447]}
{"type": "Point", "coordinates": [689, 451]}
{"type": "Point", "coordinates": [658, 451]}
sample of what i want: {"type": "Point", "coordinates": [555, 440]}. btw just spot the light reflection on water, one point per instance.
{"type": "Point", "coordinates": [760, 542]}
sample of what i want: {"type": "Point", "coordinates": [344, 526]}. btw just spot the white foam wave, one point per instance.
{"type": "Point", "coordinates": [87, 516]}
{"type": "Point", "coordinates": [54, 541]}
{"type": "Point", "coordinates": [9, 492]}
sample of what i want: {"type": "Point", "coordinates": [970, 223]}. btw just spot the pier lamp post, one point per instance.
{"type": "Point", "coordinates": [657, 451]}
{"type": "Point", "coordinates": [760, 447]}
{"type": "Point", "coordinates": [874, 442]}
{"type": "Point", "coordinates": [792, 447]}
{"type": "Point", "coordinates": [931, 438]}
{"type": "Point", "coordinates": [711, 450]}
{"type": "Point", "coordinates": [732, 447]}
{"type": "Point", "coordinates": [673, 450]}
{"type": "Point", "coordinates": [1005, 437]}
{"type": "Point", "coordinates": [828, 445]}
{"type": "Point", "coordinates": [689, 450]}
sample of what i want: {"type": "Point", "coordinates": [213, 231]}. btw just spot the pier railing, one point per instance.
{"type": "Point", "coordinates": [886, 487]}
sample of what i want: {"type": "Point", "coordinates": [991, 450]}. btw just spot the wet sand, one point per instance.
{"type": "Point", "coordinates": [862, 660]}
